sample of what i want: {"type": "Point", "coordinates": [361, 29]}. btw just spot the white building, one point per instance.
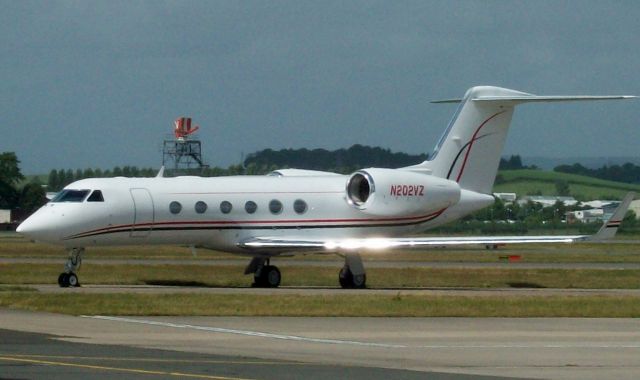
{"type": "Point", "coordinates": [547, 201]}
{"type": "Point", "coordinates": [586, 216]}
{"type": "Point", "coordinates": [5, 216]}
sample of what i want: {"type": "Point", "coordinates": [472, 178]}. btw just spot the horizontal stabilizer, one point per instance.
{"type": "Point", "coordinates": [530, 98]}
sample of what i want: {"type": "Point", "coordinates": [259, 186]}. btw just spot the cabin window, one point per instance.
{"type": "Point", "coordinates": [300, 206]}
{"type": "Point", "coordinates": [201, 207]}
{"type": "Point", "coordinates": [175, 207]}
{"type": "Point", "coordinates": [275, 206]}
{"type": "Point", "coordinates": [71, 196]}
{"type": "Point", "coordinates": [225, 207]}
{"type": "Point", "coordinates": [250, 207]}
{"type": "Point", "coordinates": [96, 196]}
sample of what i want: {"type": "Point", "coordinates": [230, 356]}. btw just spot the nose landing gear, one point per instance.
{"type": "Point", "coordinates": [68, 278]}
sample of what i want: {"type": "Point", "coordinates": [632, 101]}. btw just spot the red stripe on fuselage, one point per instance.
{"type": "Point", "coordinates": [275, 223]}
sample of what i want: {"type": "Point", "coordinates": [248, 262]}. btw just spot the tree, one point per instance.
{"type": "Point", "coordinates": [10, 176]}
{"type": "Point", "coordinates": [53, 183]}
{"type": "Point", "coordinates": [630, 220]}
{"type": "Point", "coordinates": [68, 178]}
{"type": "Point", "coordinates": [88, 173]}
{"type": "Point", "coordinates": [32, 197]}
{"type": "Point", "coordinates": [9, 169]}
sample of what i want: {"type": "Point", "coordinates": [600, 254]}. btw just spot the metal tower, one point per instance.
{"type": "Point", "coordinates": [183, 155]}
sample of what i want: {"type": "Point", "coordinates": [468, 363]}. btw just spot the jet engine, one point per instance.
{"type": "Point", "coordinates": [394, 192]}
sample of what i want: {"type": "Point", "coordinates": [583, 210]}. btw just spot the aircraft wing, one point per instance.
{"type": "Point", "coordinates": [280, 244]}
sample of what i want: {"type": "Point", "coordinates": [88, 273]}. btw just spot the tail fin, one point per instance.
{"type": "Point", "coordinates": [469, 150]}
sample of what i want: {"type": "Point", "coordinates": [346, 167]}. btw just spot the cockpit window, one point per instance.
{"type": "Point", "coordinates": [71, 196]}
{"type": "Point", "coordinates": [96, 196]}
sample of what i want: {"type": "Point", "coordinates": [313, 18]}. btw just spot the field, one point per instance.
{"type": "Point", "coordinates": [176, 266]}
{"type": "Point", "coordinates": [529, 182]}
{"type": "Point", "coordinates": [328, 305]}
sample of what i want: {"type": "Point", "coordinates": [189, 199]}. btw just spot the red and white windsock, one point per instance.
{"type": "Point", "coordinates": [183, 127]}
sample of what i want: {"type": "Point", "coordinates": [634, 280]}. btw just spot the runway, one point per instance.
{"type": "Point", "coordinates": [282, 347]}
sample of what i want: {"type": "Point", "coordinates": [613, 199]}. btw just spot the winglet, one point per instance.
{"type": "Point", "coordinates": [610, 227]}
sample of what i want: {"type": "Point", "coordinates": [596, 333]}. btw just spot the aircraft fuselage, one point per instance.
{"type": "Point", "coordinates": [220, 212]}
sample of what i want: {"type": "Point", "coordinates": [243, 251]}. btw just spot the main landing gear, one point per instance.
{"type": "Point", "coordinates": [352, 274]}
{"type": "Point", "coordinates": [68, 278]}
{"type": "Point", "coordinates": [264, 274]}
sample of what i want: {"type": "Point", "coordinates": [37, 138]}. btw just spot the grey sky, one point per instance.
{"type": "Point", "coordinates": [98, 84]}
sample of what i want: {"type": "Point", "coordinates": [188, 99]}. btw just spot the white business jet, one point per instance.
{"type": "Point", "coordinates": [293, 211]}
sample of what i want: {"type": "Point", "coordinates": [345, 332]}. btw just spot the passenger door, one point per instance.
{"type": "Point", "coordinates": [143, 213]}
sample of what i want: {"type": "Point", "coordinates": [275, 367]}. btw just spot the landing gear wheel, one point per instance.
{"type": "Point", "coordinates": [269, 277]}
{"type": "Point", "coordinates": [63, 280]}
{"type": "Point", "coordinates": [66, 280]}
{"type": "Point", "coordinates": [273, 276]}
{"type": "Point", "coordinates": [359, 281]}
{"type": "Point", "coordinates": [344, 278]}
{"type": "Point", "coordinates": [348, 280]}
{"type": "Point", "coordinates": [72, 280]}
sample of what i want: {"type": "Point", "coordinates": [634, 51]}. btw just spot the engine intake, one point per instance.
{"type": "Point", "coordinates": [359, 188]}
{"type": "Point", "coordinates": [392, 192]}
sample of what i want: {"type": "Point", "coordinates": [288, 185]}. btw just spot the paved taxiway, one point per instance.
{"type": "Point", "coordinates": [38, 356]}
{"type": "Point", "coordinates": [559, 348]}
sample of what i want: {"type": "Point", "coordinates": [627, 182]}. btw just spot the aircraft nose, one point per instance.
{"type": "Point", "coordinates": [35, 228]}
{"type": "Point", "coordinates": [27, 227]}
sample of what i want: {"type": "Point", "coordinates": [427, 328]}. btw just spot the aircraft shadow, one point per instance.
{"type": "Point", "coordinates": [525, 285]}
{"type": "Point", "coordinates": [195, 284]}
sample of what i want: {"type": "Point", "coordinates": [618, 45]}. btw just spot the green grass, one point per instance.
{"type": "Point", "coordinates": [232, 276]}
{"type": "Point", "coordinates": [523, 182]}
{"type": "Point", "coordinates": [326, 305]}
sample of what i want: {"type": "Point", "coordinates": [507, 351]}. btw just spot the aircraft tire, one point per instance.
{"type": "Point", "coordinates": [359, 281]}
{"type": "Point", "coordinates": [272, 276]}
{"type": "Point", "coordinates": [269, 277]}
{"type": "Point", "coordinates": [72, 280]}
{"type": "Point", "coordinates": [347, 279]}
{"type": "Point", "coordinates": [63, 280]}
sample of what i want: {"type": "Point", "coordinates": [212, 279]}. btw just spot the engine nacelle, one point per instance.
{"type": "Point", "coordinates": [393, 192]}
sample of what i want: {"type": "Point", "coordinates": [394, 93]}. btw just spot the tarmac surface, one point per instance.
{"type": "Point", "coordinates": [38, 356]}
{"type": "Point", "coordinates": [37, 345]}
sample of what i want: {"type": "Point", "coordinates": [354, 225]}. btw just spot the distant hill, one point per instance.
{"type": "Point", "coordinates": [548, 163]}
{"type": "Point", "coordinates": [538, 182]}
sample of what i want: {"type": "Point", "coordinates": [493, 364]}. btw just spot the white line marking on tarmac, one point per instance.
{"type": "Point", "coordinates": [244, 332]}
{"type": "Point", "coordinates": [568, 345]}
